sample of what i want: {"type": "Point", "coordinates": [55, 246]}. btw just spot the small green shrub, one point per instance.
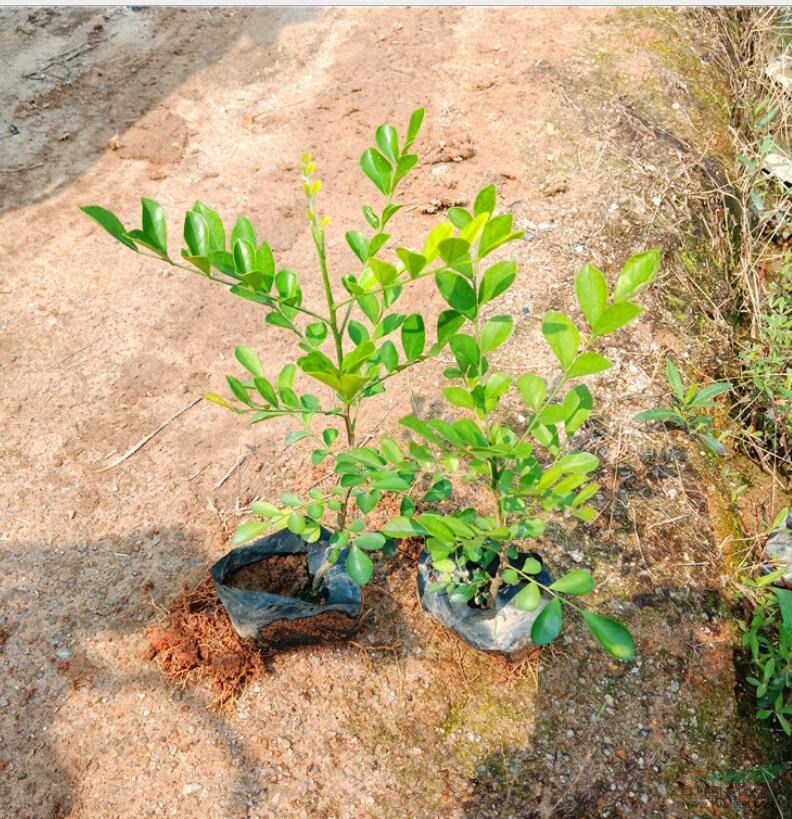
{"type": "Point", "coordinates": [528, 473]}
{"type": "Point", "coordinates": [768, 637]}
{"type": "Point", "coordinates": [688, 410]}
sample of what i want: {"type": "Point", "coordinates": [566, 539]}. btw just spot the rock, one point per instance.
{"type": "Point", "coordinates": [4, 702]}
{"type": "Point", "coordinates": [63, 655]}
{"type": "Point", "coordinates": [192, 789]}
{"type": "Point", "coordinates": [779, 69]}
{"type": "Point", "coordinates": [674, 687]}
{"type": "Point", "coordinates": [609, 701]}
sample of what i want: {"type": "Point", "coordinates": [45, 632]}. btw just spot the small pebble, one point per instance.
{"type": "Point", "coordinates": [674, 687]}
{"type": "Point", "coordinates": [64, 654]}
{"type": "Point", "coordinates": [609, 701]}
{"type": "Point", "coordinates": [191, 790]}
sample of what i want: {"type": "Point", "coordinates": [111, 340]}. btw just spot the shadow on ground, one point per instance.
{"type": "Point", "coordinates": [75, 79]}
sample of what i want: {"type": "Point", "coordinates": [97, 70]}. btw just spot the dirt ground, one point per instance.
{"type": "Point", "coordinates": [594, 125]}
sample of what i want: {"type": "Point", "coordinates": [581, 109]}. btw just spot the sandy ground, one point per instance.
{"type": "Point", "coordinates": [98, 347]}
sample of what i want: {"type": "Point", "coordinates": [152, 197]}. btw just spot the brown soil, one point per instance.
{"type": "Point", "coordinates": [281, 574]}
{"type": "Point", "coordinates": [198, 642]}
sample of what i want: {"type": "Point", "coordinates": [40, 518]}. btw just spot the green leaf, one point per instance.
{"type": "Point", "coordinates": [390, 449]}
{"type": "Point", "coordinates": [615, 317]}
{"type": "Point", "coordinates": [359, 244]}
{"type": "Point", "coordinates": [239, 391]}
{"type": "Point", "coordinates": [528, 598]}
{"type": "Point", "coordinates": [247, 531]}
{"type": "Point", "coordinates": [496, 280]}
{"type": "Point", "coordinates": [547, 625]}
{"type": "Point", "coordinates": [377, 169]}
{"type": "Point", "coordinates": [110, 222]}
{"type": "Point", "coordinates": [155, 226]}
{"type": "Point", "coordinates": [243, 229]}
{"type": "Point", "coordinates": [495, 331]}
{"type": "Point", "coordinates": [459, 397]}
{"type": "Point", "coordinates": [383, 272]}
{"type": "Point", "coordinates": [766, 773]}
{"type": "Point", "coordinates": [371, 541]}
{"type": "Point", "coordinates": [533, 389]}
{"type": "Point", "coordinates": [562, 336]}
{"type": "Point", "coordinates": [371, 217]}
{"type": "Point", "coordinates": [297, 435]}
{"type": "Point", "coordinates": [448, 322]}
{"type": "Point", "coordinates": [249, 360]}
{"type": "Point", "coordinates": [290, 499]}
{"type": "Point", "coordinates": [402, 527]}
{"type": "Point", "coordinates": [357, 332]}
{"type": "Point", "coordinates": [496, 233]}
{"type": "Point", "coordinates": [578, 463]}
{"type": "Point", "coordinates": [588, 364]}
{"type": "Point", "coordinates": [367, 501]}
{"type": "Point", "coordinates": [485, 200]}
{"type": "Point", "coordinates": [266, 390]}
{"type": "Point", "coordinates": [265, 262]}
{"type": "Point", "coordinates": [459, 217]}
{"type": "Point", "coordinates": [296, 523]}
{"type": "Point", "coordinates": [388, 141]}
{"type": "Point", "coordinates": [578, 581]}
{"type": "Point", "coordinates": [413, 263]}
{"type": "Point", "coordinates": [592, 293]}
{"type": "Point", "coordinates": [706, 394]}
{"type": "Point", "coordinates": [215, 226]}
{"type": "Point", "coordinates": [220, 401]}
{"type": "Point", "coordinates": [316, 333]}
{"type": "Point", "coordinates": [657, 414]}
{"type": "Point", "coordinates": [359, 566]}
{"type": "Point", "coordinates": [784, 605]}
{"type": "Point", "coordinates": [264, 509]}
{"type": "Point", "coordinates": [456, 254]}
{"type": "Point", "coordinates": [196, 234]}
{"type": "Point", "coordinates": [439, 492]}
{"type": "Point", "coordinates": [413, 336]}
{"type": "Point", "coordinates": [675, 380]}
{"type": "Point", "coordinates": [416, 119]}
{"type": "Point", "coordinates": [578, 405]}
{"type": "Point", "coordinates": [636, 275]}
{"type": "Point", "coordinates": [457, 291]}
{"type": "Point", "coordinates": [353, 360]}
{"type": "Point", "coordinates": [466, 352]}
{"type": "Point", "coordinates": [329, 435]}
{"type": "Point", "coordinates": [612, 636]}
{"type": "Point", "coordinates": [405, 164]}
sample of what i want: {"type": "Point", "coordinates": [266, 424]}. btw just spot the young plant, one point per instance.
{"type": "Point", "coordinates": [353, 342]}
{"type": "Point", "coordinates": [768, 637]}
{"type": "Point", "coordinates": [530, 472]}
{"type": "Point", "coordinates": [688, 410]}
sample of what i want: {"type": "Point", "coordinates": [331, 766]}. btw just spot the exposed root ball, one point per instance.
{"type": "Point", "coordinates": [197, 642]}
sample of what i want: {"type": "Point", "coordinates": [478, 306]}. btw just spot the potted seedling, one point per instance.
{"type": "Point", "coordinates": [350, 346]}
{"type": "Point", "coordinates": [478, 573]}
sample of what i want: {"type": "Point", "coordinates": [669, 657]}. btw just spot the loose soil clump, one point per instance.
{"type": "Point", "coordinates": [286, 575]}
{"type": "Point", "coordinates": [198, 641]}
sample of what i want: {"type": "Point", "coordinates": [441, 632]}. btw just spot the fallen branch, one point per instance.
{"type": "Point", "coordinates": [143, 441]}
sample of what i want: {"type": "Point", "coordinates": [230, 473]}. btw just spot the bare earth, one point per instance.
{"type": "Point", "coordinates": [569, 112]}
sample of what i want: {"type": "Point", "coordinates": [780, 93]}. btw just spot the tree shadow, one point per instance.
{"type": "Point", "coordinates": [84, 76]}
{"type": "Point", "coordinates": [60, 604]}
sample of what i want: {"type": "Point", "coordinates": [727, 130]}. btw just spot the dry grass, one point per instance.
{"type": "Point", "coordinates": [756, 236]}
